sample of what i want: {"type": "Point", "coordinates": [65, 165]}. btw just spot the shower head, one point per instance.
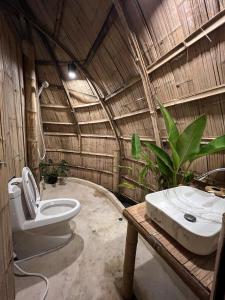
{"type": "Point", "coordinates": [45, 84]}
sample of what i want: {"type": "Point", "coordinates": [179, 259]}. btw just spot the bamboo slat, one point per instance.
{"type": "Point", "coordinates": [12, 143]}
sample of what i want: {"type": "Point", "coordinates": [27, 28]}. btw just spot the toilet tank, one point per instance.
{"type": "Point", "coordinates": [17, 207]}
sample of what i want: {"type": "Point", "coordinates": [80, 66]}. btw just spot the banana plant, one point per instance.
{"type": "Point", "coordinates": [172, 168]}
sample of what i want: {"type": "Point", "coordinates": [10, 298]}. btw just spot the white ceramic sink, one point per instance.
{"type": "Point", "coordinates": [200, 233]}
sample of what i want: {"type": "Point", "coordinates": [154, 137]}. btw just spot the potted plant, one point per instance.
{"type": "Point", "coordinates": [171, 167]}
{"type": "Point", "coordinates": [62, 169]}
{"type": "Point", "coordinates": [49, 172]}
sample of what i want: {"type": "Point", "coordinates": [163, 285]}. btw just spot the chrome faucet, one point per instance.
{"type": "Point", "coordinates": [203, 176]}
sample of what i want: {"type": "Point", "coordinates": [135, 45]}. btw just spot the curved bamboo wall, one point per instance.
{"type": "Point", "coordinates": [12, 149]}
{"type": "Point", "coordinates": [129, 54]}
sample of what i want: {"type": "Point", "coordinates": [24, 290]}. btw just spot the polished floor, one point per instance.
{"type": "Point", "coordinates": [86, 268]}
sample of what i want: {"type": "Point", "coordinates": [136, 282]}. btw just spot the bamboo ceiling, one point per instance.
{"type": "Point", "coordinates": [128, 53]}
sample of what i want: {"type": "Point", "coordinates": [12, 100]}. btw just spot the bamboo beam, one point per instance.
{"type": "Point", "coordinates": [215, 22]}
{"type": "Point", "coordinates": [81, 153]}
{"type": "Point", "coordinates": [97, 154]}
{"type": "Point", "coordinates": [116, 173]}
{"type": "Point", "coordinates": [63, 150]}
{"type": "Point", "coordinates": [43, 62]}
{"type": "Point", "coordinates": [58, 123]}
{"type": "Point", "coordinates": [59, 15]}
{"type": "Point", "coordinates": [51, 133]}
{"type": "Point", "coordinates": [141, 69]}
{"type": "Point", "coordinates": [78, 94]}
{"type": "Point", "coordinates": [217, 90]}
{"type": "Point", "coordinates": [54, 106]}
{"type": "Point", "coordinates": [93, 122]}
{"type": "Point", "coordinates": [83, 96]}
{"type": "Point", "coordinates": [31, 109]}
{"type": "Point", "coordinates": [134, 160]}
{"type": "Point", "coordinates": [98, 136]}
{"type": "Point", "coordinates": [60, 74]}
{"type": "Point", "coordinates": [87, 105]}
{"type": "Point", "coordinates": [36, 24]}
{"type": "Point", "coordinates": [127, 85]}
{"type": "Point", "coordinates": [93, 170]}
{"type": "Point", "coordinates": [142, 138]}
{"type": "Point", "coordinates": [101, 35]}
{"type": "Point", "coordinates": [136, 113]}
{"type": "Point", "coordinates": [204, 140]}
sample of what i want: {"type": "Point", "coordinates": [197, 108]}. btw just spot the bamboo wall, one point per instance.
{"type": "Point", "coordinates": [11, 144]}
{"type": "Point", "coordinates": [130, 53]}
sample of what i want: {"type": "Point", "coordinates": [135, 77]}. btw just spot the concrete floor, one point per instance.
{"type": "Point", "coordinates": [87, 267]}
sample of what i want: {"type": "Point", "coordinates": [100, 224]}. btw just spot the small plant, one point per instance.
{"type": "Point", "coordinates": [48, 171]}
{"type": "Point", "coordinates": [172, 168]}
{"type": "Point", "coordinates": [62, 169]}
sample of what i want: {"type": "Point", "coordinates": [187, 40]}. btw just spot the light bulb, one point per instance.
{"type": "Point", "coordinates": [71, 70]}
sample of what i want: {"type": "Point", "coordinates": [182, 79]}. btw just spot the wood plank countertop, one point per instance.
{"type": "Point", "coordinates": [195, 270]}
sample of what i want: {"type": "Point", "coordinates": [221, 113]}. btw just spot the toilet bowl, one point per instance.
{"type": "Point", "coordinates": [38, 225]}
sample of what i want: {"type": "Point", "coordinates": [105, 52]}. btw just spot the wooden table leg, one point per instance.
{"type": "Point", "coordinates": [129, 261]}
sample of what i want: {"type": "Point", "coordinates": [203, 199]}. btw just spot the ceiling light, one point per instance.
{"type": "Point", "coordinates": [72, 70]}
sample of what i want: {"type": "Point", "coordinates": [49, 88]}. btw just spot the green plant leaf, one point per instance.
{"type": "Point", "coordinates": [189, 140]}
{"type": "Point", "coordinates": [172, 131]}
{"type": "Point", "coordinates": [161, 154]}
{"type": "Point", "coordinates": [175, 156]}
{"type": "Point", "coordinates": [217, 145]}
{"type": "Point", "coordinates": [143, 173]}
{"type": "Point", "coordinates": [188, 177]}
{"type": "Point", "coordinates": [127, 185]}
{"type": "Point", "coordinates": [164, 170]}
{"type": "Point", "coordinates": [136, 146]}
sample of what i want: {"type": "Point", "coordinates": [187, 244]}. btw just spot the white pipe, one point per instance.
{"type": "Point", "coordinates": [44, 85]}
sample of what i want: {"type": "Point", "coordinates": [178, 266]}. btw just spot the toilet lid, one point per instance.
{"type": "Point", "coordinates": [31, 192]}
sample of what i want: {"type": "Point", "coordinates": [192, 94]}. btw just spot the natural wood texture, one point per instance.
{"type": "Point", "coordinates": [129, 261]}
{"type": "Point", "coordinates": [31, 108]}
{"type": "Point", "coordinates": [196, 271]}
{"type": "Point", "coordinates": [105, 27]}
{"type": "Point", "coordinates": [203, 32]}
{"type": "Point", "coordinates": [218, 288]}
{"type": "Point", "coordinates": [60, 74]}
{"type": "Point", "coordinates": [142, 69]}
{"type": "Point", "coordinates": [116, 172]}
{"type": "Point", "coordinates": [12, 144]}
{"type": "Point", "coordinates": [168, 51]}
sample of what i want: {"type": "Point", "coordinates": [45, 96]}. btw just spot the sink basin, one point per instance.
{"type": "Point", "coordinates": [191, 216]}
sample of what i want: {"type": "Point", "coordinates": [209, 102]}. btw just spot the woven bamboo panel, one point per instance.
{"type": "Point", "coordinates": [11, 144]}
{"type": "Point", "coordinates": [171, 51]}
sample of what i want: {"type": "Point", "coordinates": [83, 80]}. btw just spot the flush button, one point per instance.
{"type": "Point", "coordinates": [190, 218]}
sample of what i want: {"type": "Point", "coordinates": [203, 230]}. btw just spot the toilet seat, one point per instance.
{"type": "Point", "coordinates": [44, 219]}
{"type": "Point", "coordinates": [45, 212]}
{"type": "Point", "coordinates": [31, 192]}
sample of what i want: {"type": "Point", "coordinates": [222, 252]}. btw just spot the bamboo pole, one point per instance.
{"type": "Point", "coordinates": [31, 109]}
{"type": "Point", "coordinates": [141, 69]}
{"type": "Point", "coordinates": [60, 74]}
{"type": "Point", "coordinates": [129, 261]}
{"type": "Point", "coordinates": [116, 174]}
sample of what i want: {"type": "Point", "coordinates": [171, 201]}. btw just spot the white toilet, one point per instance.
{"type": "Point", "coordinates": [38, 225]}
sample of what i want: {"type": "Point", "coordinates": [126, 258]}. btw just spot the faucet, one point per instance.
{"type": "Point", "coordinates": [203, 176]}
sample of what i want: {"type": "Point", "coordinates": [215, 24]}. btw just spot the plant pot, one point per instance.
{"type": "Point", "coordinates": [61, 180]}
{"type": "Point", "coordinates": [51, 178]}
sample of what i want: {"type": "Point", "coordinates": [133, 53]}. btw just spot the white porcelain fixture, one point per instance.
{"type": "Point", "coordinates": [190, 216]}
{"type": "Point", "coordinates": [36, 222]}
